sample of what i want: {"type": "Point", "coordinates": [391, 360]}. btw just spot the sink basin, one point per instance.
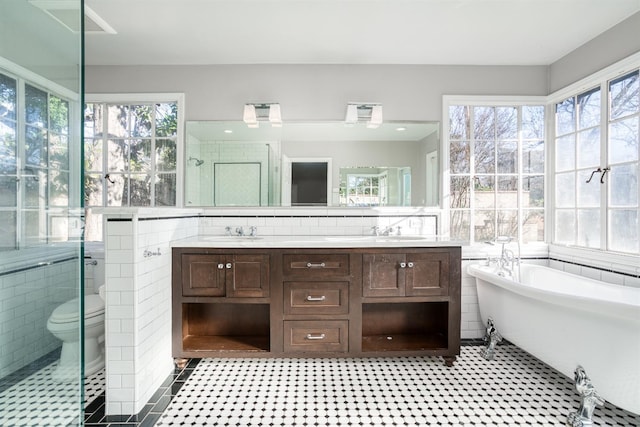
{"type": "Point", "coordinates": [400, 238]}
{"type": "Point", "coordinates": [230, 238]}
{"type": "Point", "coordinates": [375, 238]}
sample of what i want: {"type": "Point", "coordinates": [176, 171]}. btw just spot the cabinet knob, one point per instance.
{"type": "Point", "coordinates": [229, 265]}
{"type": "Point", "coordinates": [220, 266]}
{"type": "Point", "coordinates": [315, 337]}
{"type": "Point", "coordinates": [410, 265]}
{"type": "Point", "coordinates": [403, 264]}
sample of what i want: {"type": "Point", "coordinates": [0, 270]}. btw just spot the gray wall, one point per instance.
{"type": "Point", "coordinates": [318, 92]}
{"type": "Point", "coordinates": [611, 46]}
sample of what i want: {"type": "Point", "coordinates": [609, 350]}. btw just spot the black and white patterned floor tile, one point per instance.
{"type": "Point", "coordinates": [38, 400]}
{"type": "Point", "coordinates": [513, 390]}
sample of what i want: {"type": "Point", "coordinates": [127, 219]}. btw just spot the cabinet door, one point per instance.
{"type": "Point", "coordinates": [203, 275]}
{"type": "Point", "coordinates": [247, 276]}
{"type": "Point", "coordinates": [427, 274]}
{"type": "Point", "coordinates": [383, 275]}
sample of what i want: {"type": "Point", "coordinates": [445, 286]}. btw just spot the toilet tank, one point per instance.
{"type": "Point", "coordinates": [94, 276]}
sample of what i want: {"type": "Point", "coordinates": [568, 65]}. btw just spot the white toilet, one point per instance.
{"type": "Point", "coordinates": [63, 324]}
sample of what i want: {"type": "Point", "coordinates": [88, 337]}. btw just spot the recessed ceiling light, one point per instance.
{"type": "Point", "coordinates": [228, 131]}
{"type": "Point", "coordinates": [401, 129]}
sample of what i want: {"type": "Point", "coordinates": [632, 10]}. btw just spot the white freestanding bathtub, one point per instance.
{"type": "Point", "coordinates": [567, 320]}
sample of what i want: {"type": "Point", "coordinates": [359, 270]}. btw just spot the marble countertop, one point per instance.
{"type": "Point", "coordinates": [314, 242]}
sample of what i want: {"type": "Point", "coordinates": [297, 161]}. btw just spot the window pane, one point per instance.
{"type": "Point", "coordinates": [36, 146]}
{"type": "Point", "coordinates": [623, 230]}
{"type": "Point", "coordinates": [507, 223]}
{"type": "Point", "coordinates": [532, 225]}
{"type": "Point", "coordinates": [624, 94]}
{"type": "Point", "coordinates": [59, 152]}
{"type": "Point", "coordinates": [588, 193]}
{"type": "Point", "coordinates": [8, 230]}
{"type": "Point", "coordinates": [623, 185]}
{"type": "Point", "coordinates": [508, 157]}
{"type": "Point", "coordinates": [7, 147]}
{"type": "Point", "coordinates": [141, 120]}
{"type": "Point", "coordinates": [485, 225]}
{"type": "Point", "coordinates": [167, 119]}
{"type": "Point", "coordinates": [589, 109]}
{"type": "Point", "coordinates": [59, 115]}
{"type": "Point", "coordinates": [588, 151]}
{"type": "Point", "coordinates": [589, 228]}
{"type": "Point", "coordinates": [139, 190]}
{"type": "Point", "coordinates": [623, 141]}
{"type": "Point", "coordinates": [35, 188]}
{"type": "Point", "coordinates": [165, 155]}
{"type": "Point", "coordinates": [565, 117]}
{"type": "Point", "coordinates": [460, 191]}
{"type": "Point", "coordinates": [507, 195]}
{"type": "Point", "coordinates": [484, 123]}
{"type": "Point", "coordinates": [533, 122]}
{"type": "Point", "coordinates": [460, 225]}
{"type": "Point", "coordinates": [92, 154]}
{"type": "Point", "coordinates": [533, 191]}
{"type": "Point", "coordinates": [36, 107]}
{"type": "Point", "coordinates": [459, 157]}
{"type": "Point", "coordinates": [484, 154]}
{"type": "Point", "coordinates": [507, 122]}
{"type": "Point", "coordinates": [116, 195]}
{"type": "Point", "coordinates": [59, 188]}
{"type": "Point", "coordinates": [118, 119]}
{"type": "Point", "coordinates": [565, 190]}
{"type": "Point", "coordinates": [565, 226]}
{"type": "Point", "coordinates": [165, 189]}
{"type": "Point", "coordinates": [7, 98]}
{"type": "Point", "coordinates": [118, 155]}
{"type": "Point", "coordinates": [35, 227]}
{"type": "Point", "coordinates": [140, 155]}
{"type": "Point", "coordinates": [8, 192]}
{"type": "Point", "coordinates": [485, 192]}
{"type": "Point", "coordinates": [565, 153]}
{"type": "Point", "coordinates": [93, 189]}
{"type": "Point", "coordinates": [459, 122]}
{"type": "Point", "coordinates": [93, 114]}
{"type": "Point", "coordinates": [533, 157]}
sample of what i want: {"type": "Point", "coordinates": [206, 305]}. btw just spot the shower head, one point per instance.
{"type": "Point", "coordinates": [198, 162]}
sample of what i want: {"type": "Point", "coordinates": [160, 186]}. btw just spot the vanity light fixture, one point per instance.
{"type": "Point", "coordinates": [364, 111]}
{"type": "Point", "coordinates": [255, 113]}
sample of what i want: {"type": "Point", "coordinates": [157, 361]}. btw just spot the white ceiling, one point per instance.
{"type": "Point", "coordinates": [479, 32]}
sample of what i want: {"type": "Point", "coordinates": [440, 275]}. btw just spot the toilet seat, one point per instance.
{"type": "Point", "coordinates": [69, 311]}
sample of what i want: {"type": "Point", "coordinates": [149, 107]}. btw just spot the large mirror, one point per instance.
{"type": "Point", "coordinates": [311, 164]}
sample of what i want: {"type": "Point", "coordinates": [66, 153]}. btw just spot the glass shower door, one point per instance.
{"type": "Point", "coordinates": [41, 290]}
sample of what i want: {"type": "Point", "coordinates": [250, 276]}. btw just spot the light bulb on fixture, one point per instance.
{"type": "Point", "coordinates": [274, 115]}
{"type": "Point", "coordinates": [249, 116]}
{"type": "Point", "coordinates": [376, 117]}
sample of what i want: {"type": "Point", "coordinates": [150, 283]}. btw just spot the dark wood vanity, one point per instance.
{"type": "Point", "coordinates": [316, 302]}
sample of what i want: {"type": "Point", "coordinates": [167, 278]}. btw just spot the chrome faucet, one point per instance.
{"type": "Point", "coordinates": [240, 231]}
{"type": "Point", "coordinates": [375, 230]}
{"type": "Point", "coordinates": [508, 260]}
{"type": "Point", "coordinates": [253, 231]}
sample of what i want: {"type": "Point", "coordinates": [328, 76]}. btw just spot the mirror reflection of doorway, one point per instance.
{"type": "Point", "coordinates": [309, 183]}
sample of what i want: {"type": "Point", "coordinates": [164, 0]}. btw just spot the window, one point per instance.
{"type": "Point", "coordinates": [597, 167]}
{"type": "Point", "coordinates": [132, 146]}
{"type": "Point", "coordinates": [366, 190]}
{"type": "Point", "coordinates": [496, 171]}
{"type": "Point", "coordinates": [34, 164]}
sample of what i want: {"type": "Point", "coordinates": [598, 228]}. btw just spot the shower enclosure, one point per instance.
{"type": "Point", "coordinates": [40, 206]}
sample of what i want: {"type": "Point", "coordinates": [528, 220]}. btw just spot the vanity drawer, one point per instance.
{"type": "Point", "coordinates": [316, 265]}
{"type": "Point", "coordinates": [316, 297]}
{"type": "Point", "coordinates": [316, 336]}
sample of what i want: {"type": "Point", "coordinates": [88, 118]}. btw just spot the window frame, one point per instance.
{"type": "Point", "coordinates": [25, 77]}
{"type": "Point", "coordinates": [601, 79]}
{"type": "Point", "coordinates": [490, 101]}
{"type": "Point", "coordinates": [139, 99]}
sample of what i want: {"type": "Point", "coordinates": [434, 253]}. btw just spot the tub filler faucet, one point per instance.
{"type": "Point", "coordinates": [492, 337]}
{"type": "Point", "coordinates": [507, 262]}
{"type": "Point", "coordinates": [589, 400]}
